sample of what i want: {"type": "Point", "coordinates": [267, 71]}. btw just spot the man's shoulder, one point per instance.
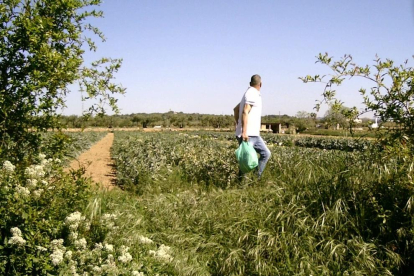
{"type": "Point", "coordinates": [252, 93]}
{"type": "Point", "coordinates": [251, 89]}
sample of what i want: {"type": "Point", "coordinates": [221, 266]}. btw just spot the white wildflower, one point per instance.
{"type": "Point", "coordinates": [163, 253]}
{"type": "Point", "coordinates": [136, 273]}
{"type": "Point", "coordinates": [123, 249]}
{"type": "Point", "coordinates": [29, 171]}
{"type": "Point", "coordinates": [97, 269]}
{"type": "Point", "coordinates": [41, 248]}
{"type": "Point", "coordinates": [31, 183]}
{"type": "Point", "coordinates": [73, 236]}
{"type": "Point", "coordinates": [108, 247]}
{"type": "Point", "coordinates": [57, 243]}
{"type": "Point", "coordinates": [98, 246]}
{"type": "Point", "coordinates": [22, 190]}
{"type": "Point", "coordinates": [73, 220]}
{"type": "Point", "coordinates": [56, 256]}
{"type": "Point", "coordinates": [8, 166]}
{"type": "Point", "coordinates": [87, 226]}
{"type": "Point", "coordinates": [38, 192]}
{"type": "Point", "coordinates": [57, 160]}
{"type": "Point", "coordinates": [124, 258]}
{"type": "Point", "coordinates": [17, 238]}
{"type": "Point", "coordinates": [42, 156]}
{"type": "Point", "coordinates": [73, 270]}
{"type": "Point", "coordinates": [44, 182]}
{"type": "Point", "coordinates": [109, 216]}
{"type": "Point", "coordinates": [16, 231]}
{"type": "Point", "coordinates": [35, 171]}
{"type": "Point", "coordinates": [145, 240]}
{"type": "Point", "coordinates": [68, 255]}
{"type": "Point", "coordinates": [81, 244]}
{"type": "Point", "coordinates": [19, 241]}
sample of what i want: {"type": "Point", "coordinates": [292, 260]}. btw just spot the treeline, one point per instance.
{"type": "Point", "coordinates": [148, 120]}
{"type": "Point", "coordinates": [169, 119]}
{"type": "Point", "coordinates": [301, 122]}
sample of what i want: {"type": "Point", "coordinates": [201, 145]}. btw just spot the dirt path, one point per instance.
{"type": "Point", "coordinates": [98, 163]}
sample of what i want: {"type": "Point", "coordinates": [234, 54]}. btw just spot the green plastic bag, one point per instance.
{"type": "Point", "coordinates": [247, 157]}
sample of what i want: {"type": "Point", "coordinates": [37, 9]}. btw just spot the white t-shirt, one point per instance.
{"type": "Point", "coordinates": [252, 97]}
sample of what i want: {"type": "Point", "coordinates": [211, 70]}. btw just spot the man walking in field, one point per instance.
{"type": "Point", "coordinates": [247, 115]}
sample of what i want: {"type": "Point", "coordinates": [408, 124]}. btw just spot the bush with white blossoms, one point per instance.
{"type": "Point", "coordinates": [106, 258]}
{"type": "Point", "coordinates": [82, 258]}
{"type": "Point", "coordinates": [61, 240]}
{"type": "Point", "coordinates": [32, 215]}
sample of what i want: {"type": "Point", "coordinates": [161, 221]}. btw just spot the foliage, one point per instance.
{"type": "Point", "coordinates": [304, 120]}
{"type": "Point", "coordinates": [315, 212]}
{"type": "Point", "coordinates": [166, 120]}
{"type": "Point", "coordinates": [42, 49]}
{"type": "Point", "coordinates": [68, 145]}
{"type": "Point", "coordinates": [143, 159]}
{"type": "Point", "coordinates": [335, 116]}
{"type": "Point", "coordinates": [327, 143]}
{"type": "Point", "coordinates": [349, 144]}
{"type": "Point", "coordinates": [47, 228]}
{"type": "Point", "coordinates": [390, 97]}
{"type": "Point", "coordinates": [34, 202]}
{"type": "Point", "coordinates": [342, 132]}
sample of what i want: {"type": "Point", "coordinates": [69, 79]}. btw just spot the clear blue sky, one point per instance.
{"type": "Point", "coordinates": [198, 56]}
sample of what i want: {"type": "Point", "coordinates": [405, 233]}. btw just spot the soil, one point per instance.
{"type": "Point", "coordinates": [98, 163]}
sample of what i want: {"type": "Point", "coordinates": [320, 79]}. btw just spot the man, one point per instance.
{"type": "Point", "coordinates": [247, 115]}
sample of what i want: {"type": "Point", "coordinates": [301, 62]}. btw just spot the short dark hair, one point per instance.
{"type": "Point", "coordinates": [255, 80]}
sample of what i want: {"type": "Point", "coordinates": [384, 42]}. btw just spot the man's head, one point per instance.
{"type": "Point", "coordinates": [256, 81]}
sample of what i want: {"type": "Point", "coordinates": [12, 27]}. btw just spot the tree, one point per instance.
{"type": "Point", "coordinates": [42, 46]}
{"type": "Point", "coordinates": [303, 120]}
{"type": "Point", "coordinates": [391, 97]}
{"type": "Point", "coordinates": [336, 116]}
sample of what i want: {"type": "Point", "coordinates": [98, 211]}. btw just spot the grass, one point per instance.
{"type": "Point", "coordinates": [315, 213]}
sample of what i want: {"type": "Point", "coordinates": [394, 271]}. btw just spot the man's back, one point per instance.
{"type": "Point", "coordinates": [252, 97]}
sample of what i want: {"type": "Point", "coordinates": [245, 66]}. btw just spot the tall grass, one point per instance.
{"type": "Point", "coordinates": [314, 213]}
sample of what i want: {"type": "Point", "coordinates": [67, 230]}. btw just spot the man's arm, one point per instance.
{"type": "Point", "coordinates": [245, 116]}
{"type": "Point", "coordinates": [236, 113]}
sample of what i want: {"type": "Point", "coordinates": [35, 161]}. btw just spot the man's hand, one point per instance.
{"type": "Point", "coordinates": [245, 137]}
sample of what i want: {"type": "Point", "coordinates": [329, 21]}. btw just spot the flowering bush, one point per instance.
{"type": "Point", "coordinates": [44, 235]}
{"type": "Point", "coordinates": [33, 203]}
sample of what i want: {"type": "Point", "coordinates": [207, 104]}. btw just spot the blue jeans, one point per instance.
{"type": "Point", "coordinates": [261, 148]}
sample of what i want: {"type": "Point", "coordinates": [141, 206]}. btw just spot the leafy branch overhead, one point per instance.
{"type": "Point", "coordinates": [42, 47]}
{"type": "Point", "coordinates": [390, 97]}
{"type": "Point", "coordinates": [96, 81]}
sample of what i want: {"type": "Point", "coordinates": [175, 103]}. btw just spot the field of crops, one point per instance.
{"type": "Point", "coordinates": [313, 213]}
{"type": "Point", "coordinates": [323, 207]}
{"type": "Point", "coordinates": [69, 145]}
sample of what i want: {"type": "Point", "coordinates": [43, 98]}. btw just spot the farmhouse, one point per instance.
{"type": "Point", "coordinates": [274, 127]}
